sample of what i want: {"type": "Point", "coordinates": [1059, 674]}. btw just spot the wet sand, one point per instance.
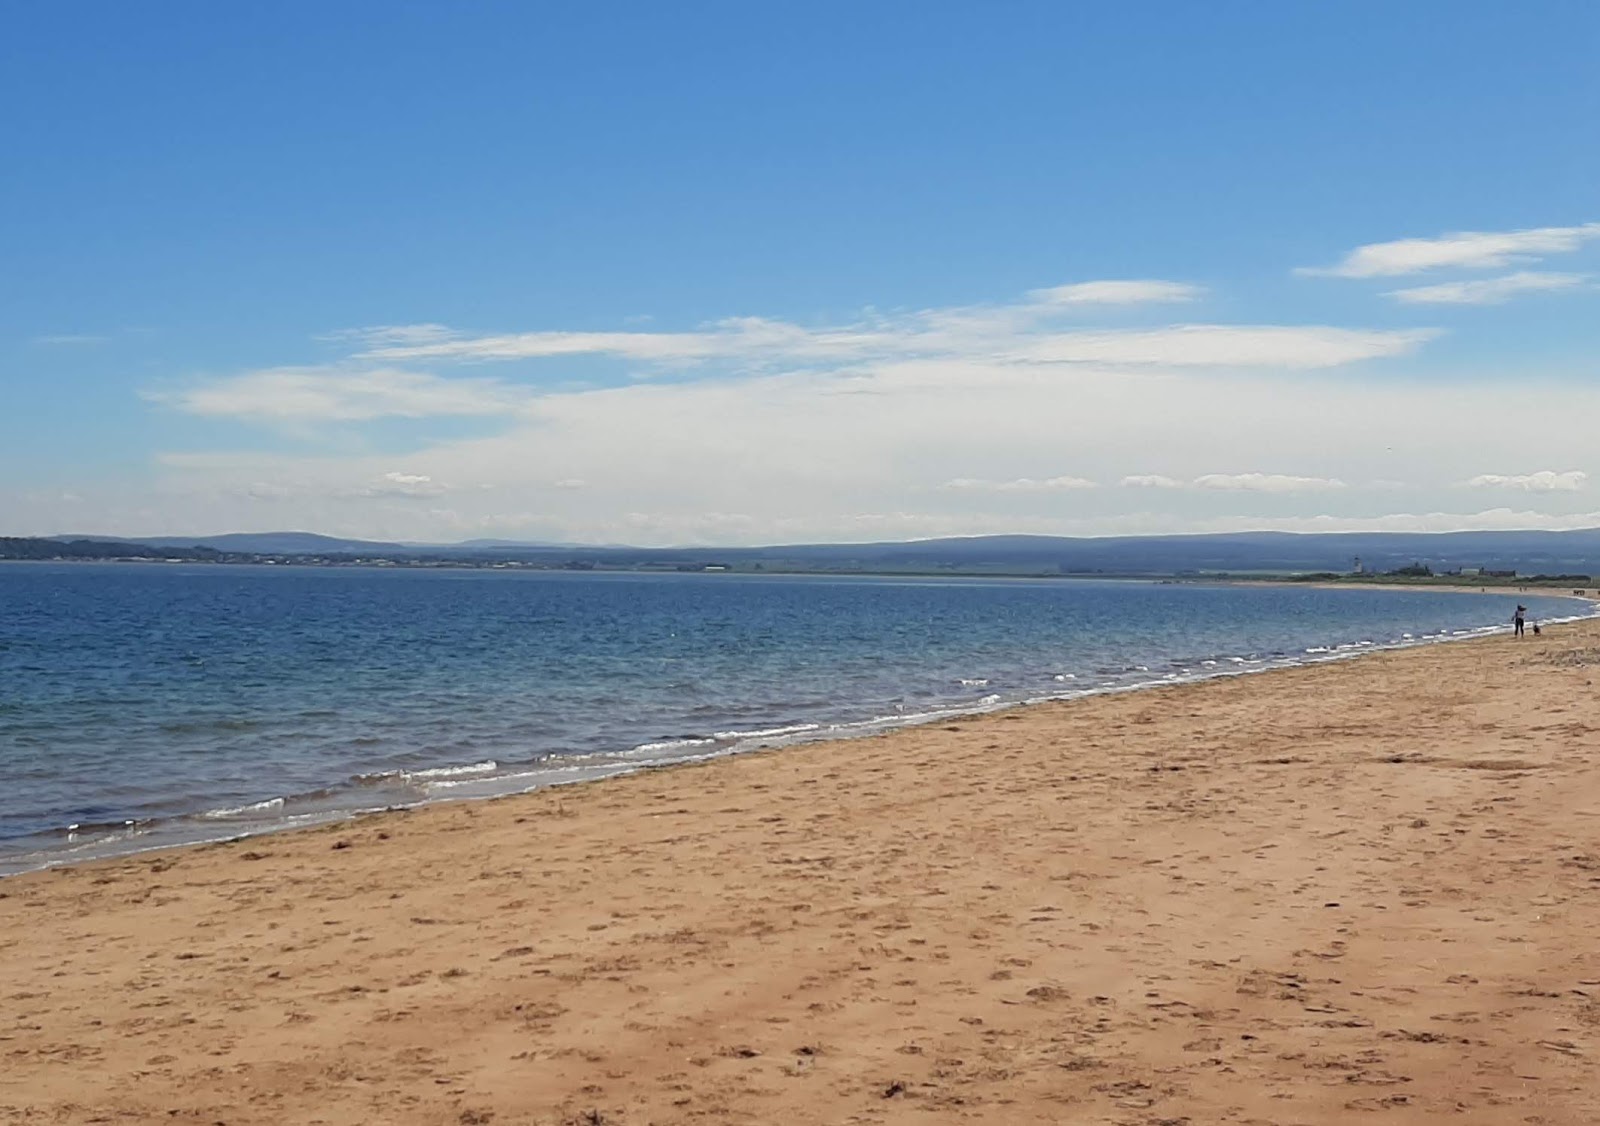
{"type": "Point", "coordinates": [1364, 891]}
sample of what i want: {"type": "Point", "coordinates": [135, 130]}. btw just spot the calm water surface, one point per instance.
{"type": "Point", "coordinates": [143, 705]}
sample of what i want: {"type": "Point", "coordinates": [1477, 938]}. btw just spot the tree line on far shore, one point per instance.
{"type": "Point", "coordinates": [16, 547]}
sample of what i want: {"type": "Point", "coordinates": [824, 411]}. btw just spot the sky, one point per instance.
{"type": "Point", "coordinates": [732, 273]}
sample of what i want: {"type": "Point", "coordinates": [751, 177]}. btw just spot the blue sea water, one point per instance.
{"type": "Point", "coordinates": [145, 705]}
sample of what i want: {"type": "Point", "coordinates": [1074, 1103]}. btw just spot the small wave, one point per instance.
{"type": "Point", "coordinates": [488, 766]}
{"type": "Point", "coordinates": [768, 732]}
{"type": "Point", "coordinates": [1065, 676]}
{"type": "Point", "coordinates": [974, 682]}
{"type": "Point", "coordinates": [676, 744]}
{"type": "Point", "coordinates": [254, 809]}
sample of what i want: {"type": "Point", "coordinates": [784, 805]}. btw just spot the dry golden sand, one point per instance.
{"type": "Point", "coordinates": [1358, 892]}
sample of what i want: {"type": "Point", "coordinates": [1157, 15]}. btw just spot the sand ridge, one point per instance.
{"type": "Point", "coordinates": [1357, 891]}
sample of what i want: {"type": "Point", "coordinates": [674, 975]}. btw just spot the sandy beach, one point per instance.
{"type": "Point", "coordinates": [1358, 891]}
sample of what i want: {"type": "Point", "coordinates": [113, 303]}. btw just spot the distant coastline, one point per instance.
{"type": "Point", "coordinates": [1237, 559]}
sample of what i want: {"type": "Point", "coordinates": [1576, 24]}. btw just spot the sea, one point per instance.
{"type": "Point", "coordinates": [149, 705]}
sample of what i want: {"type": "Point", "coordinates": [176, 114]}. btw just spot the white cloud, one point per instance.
{"type": "Point", "coordinates": [1019, 485]}
{"type": "Point", "coordinates": [1488, 291]}
{"type": "Point", "coordinates": [1544, 481]}
{"type": "Point", "coordinates": [1460, 250]}
{"type": "Point", "coordinates": [1023, 331]}
{"type": "Point", "coordinates": [280, 395]}
{"type": "Point", "coordinates": [1237, 482]}
{"type": "Point", "coordinates": [1024, 334]}
{"type": "Point", "coordinates": [402, 485]}
{"type": "Point", "coordinates": [1266, 483]}
{"type": "Point", "coordinates": [1116, 293]}
{"type": "Point", "coordinates": [1279, 346]}
{"type": "Point", "coordinates": [786, 449]}
{"type": "Point", "coordinates": [782, 432]}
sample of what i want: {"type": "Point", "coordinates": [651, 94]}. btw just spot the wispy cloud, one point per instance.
{"type": "Point", "coordinates": [299, 395]}
{"type": "Point", "coordinates": [761, 341]}
{"type": "Point", "coordinates": [395, 484]}
{"type": "Point", "coordinates": [392, 336]}
{"type": "Point", "coordinates": [1027, 331]}
{"type": "Point", "coordinates": [1019, 485]}
{"type": "Point", "coordinates": [1272, 346]}
{"type": "Point", "coordinates": [1544, 481]}
{"type": "Point", "coordinates": [1488, 291]}
{"type": "Point", "coordinates": [1266, 483]}
{"type": "Point", "coordinates": [1022, 338]}
{"type": "Point", "coordinates": [1461, 250]}
{"type": "Point", "coordinates": [1237, 482]}
{"type": "Point", "coordinates": [1117, 293]}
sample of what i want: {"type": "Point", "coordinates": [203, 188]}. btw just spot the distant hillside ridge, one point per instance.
{"type": "Point", "coordinates": [262, 543]}
{"type": "Point", "coordinates": [1526, 552]}
{"type": "Point", "coordinates": [15, 547]}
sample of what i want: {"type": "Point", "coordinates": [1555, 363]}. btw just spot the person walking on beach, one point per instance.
{"type": "Point", "coordinates": [1517, 619]}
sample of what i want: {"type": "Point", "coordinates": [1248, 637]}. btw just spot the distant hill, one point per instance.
{"type": "Point", "coordinates": [1572, 552]}
{"type": "Point", "coordinates": [263, 543]}
{"type": "Point", "coordinates": [16, 547]}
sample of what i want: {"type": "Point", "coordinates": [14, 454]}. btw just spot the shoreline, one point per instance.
{"type": "Point", "coordinates": [186, 831]}
{"type": "Point", "coordinates": [170, 834]}
{"type": "Point", "coordinates": [1354, 887]}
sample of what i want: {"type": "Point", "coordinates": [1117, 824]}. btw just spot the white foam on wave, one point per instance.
{"type": "Point", "coordinates": [254, 809]}
{"type": "Point", "coordinates": [674, 744]}
{"type": "Point", "coordinates": [768, 732]}
{"type": "Point", "coordinates": [1065, 676]}
{"type": "Point", "coordinates": [488, 766]}
{"type": "Point", "coordinates": [974, 682]}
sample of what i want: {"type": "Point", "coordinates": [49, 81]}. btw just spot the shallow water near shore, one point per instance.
{"type": "Point", "coordinates": [144, 706]}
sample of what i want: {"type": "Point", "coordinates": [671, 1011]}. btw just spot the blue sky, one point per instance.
{"type": "Point", "coordinates": [745, 273]}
